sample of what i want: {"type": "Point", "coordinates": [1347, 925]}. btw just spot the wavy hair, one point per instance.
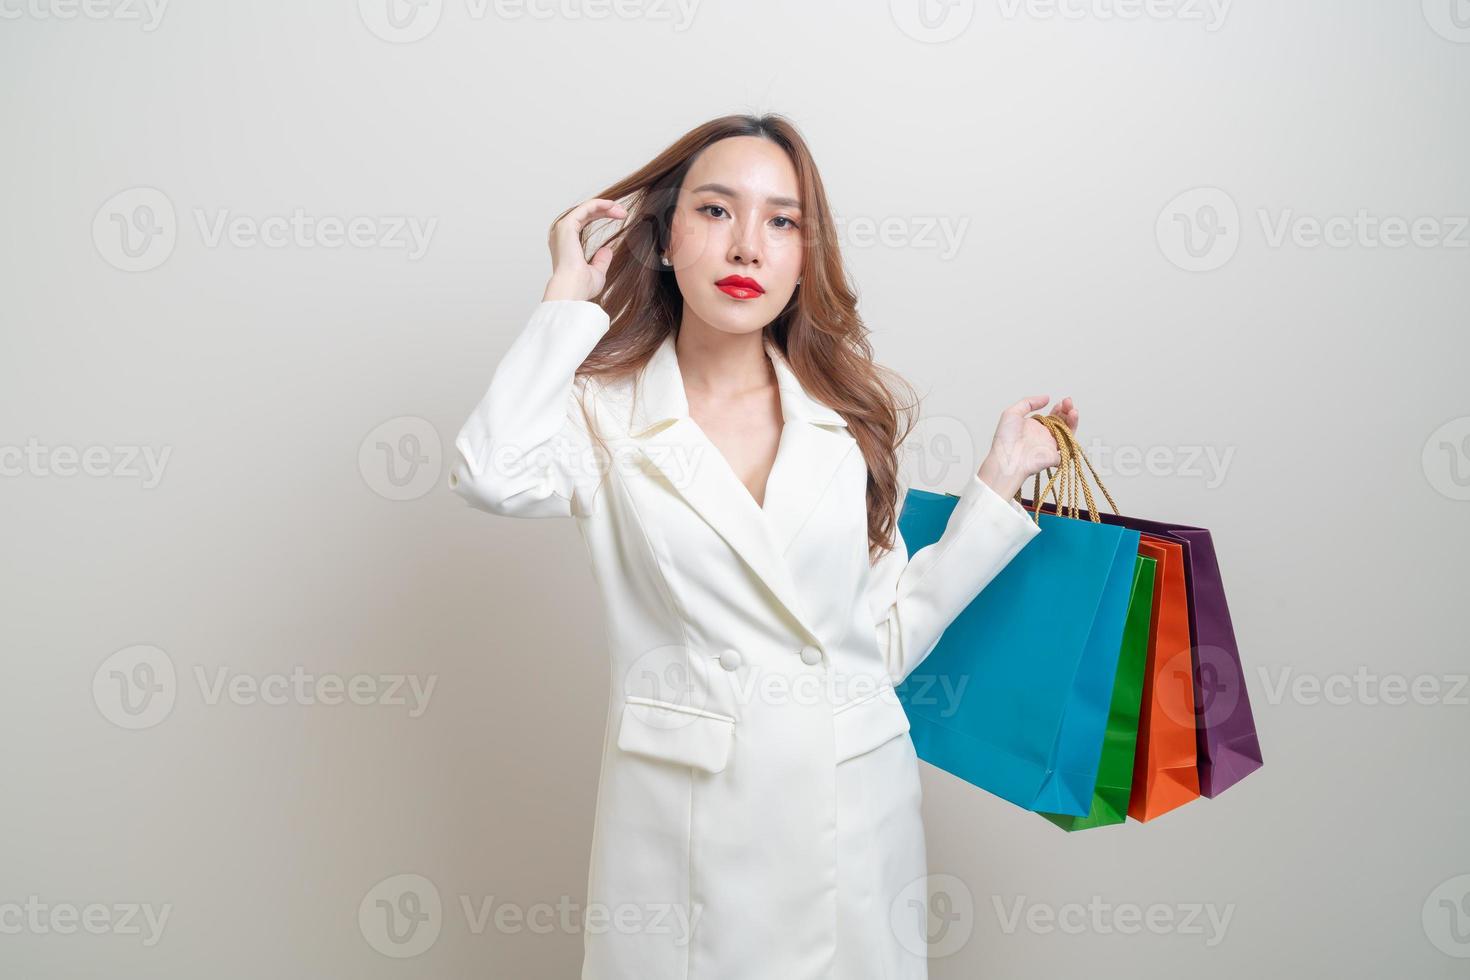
{"type": "Point", "coordinates": [820, 333]}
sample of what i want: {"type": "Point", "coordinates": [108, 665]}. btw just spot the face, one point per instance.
{"type": "Point", "coordinates": [738, 219]}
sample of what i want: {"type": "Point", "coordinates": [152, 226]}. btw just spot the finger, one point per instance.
{"type": "Point", "coordinates": [1028, 404]}
{"type": "Point", "coordinates": [602, 258]}
{"type": "Point", "coordinates": [1044, 458]}
{"type": "Point", "coordinates": [570, 226]}
{"type": "Point", "coordinates": [593, 207]}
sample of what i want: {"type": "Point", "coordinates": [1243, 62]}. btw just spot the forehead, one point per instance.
{"type": "Point", "coordinates": [752, 167]}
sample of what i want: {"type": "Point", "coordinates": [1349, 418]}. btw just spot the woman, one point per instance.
{"type": "Point", "coordinates": [701, 396]}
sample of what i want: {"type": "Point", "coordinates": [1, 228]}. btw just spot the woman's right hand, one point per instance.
{"type": "Point", "coordinates": [572, 276]}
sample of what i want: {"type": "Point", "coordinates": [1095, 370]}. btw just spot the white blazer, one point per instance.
{"type": "Point", "coordinates": [758, 804]}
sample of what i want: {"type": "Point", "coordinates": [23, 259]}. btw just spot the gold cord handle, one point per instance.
{"type": "Point", "coordinates": [1068, 475]}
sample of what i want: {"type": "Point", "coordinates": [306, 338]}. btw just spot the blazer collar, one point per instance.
{"type": "Point", "coordinates": [661, 395]}
{"type": "Point", "coordinates": [814, 444]}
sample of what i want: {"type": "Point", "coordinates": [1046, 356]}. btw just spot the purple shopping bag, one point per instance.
{"type": "Point", "coordinates": [1225, 728]}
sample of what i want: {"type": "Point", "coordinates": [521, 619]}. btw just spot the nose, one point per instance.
{"type": "Point", "coordinates": [745, 243]}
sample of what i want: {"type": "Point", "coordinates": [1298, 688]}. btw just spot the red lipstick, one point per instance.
{"type": "Point", "coordinates": [740, 287]}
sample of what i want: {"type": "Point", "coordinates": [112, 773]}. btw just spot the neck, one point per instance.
{"type": "Point", "coordinates": [719, 363]}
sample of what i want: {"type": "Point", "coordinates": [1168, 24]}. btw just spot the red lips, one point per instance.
{"type": "Point", "coordinates": [740, 287]}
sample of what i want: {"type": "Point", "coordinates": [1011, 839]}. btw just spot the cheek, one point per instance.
{"type": "Point", "coordinates": [691, 242]}
{"type": "Point", "coordinates": [784, 255]}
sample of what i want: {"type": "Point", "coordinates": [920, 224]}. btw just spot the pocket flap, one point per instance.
{"type": "Point", "coordinates": [676, 733]}
{"type": "Point", "coordinates": [866, 722]}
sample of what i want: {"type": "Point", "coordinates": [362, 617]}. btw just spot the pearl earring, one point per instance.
{"type": "Point", "coordinates": [798, 281]}
{"type": "Point", "coordinates": [666, 260]}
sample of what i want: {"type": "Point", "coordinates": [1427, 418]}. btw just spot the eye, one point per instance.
{"type": "Point", "coordinates": [706, 208]}
{"type": "Point", "coordinates": [789, 223]}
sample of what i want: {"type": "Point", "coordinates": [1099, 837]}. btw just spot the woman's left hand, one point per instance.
{"type": "Point", "coordinates": [1023, 446]}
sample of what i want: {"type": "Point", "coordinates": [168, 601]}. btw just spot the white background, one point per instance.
{"type": "Point", "coordinates": [1328, 382]}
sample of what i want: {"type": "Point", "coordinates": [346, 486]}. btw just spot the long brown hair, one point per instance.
{"type": "Point", "coordinates": [820, 333]}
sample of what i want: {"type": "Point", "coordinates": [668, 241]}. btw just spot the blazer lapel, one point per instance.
{"type": "Point", "coordinates": [813, 444]}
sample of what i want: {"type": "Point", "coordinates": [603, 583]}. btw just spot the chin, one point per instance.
{"type": "Point", "coordinates": [739, 316]}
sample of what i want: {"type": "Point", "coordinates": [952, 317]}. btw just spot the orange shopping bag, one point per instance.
{"type": "Point", "coordinates": [1165, 773]}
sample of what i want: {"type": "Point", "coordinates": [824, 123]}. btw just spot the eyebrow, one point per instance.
{"type": "Point", "coordinates": [788, 202]}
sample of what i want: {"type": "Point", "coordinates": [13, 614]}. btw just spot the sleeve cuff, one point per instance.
{"type": "Point", "coordinates": [978, 493]}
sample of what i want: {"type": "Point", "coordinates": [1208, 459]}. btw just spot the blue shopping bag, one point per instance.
{"type": "Point", "coordinates": [1014, 698]}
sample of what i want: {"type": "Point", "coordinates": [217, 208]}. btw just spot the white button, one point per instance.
{"type": "Point", "coordinates": [811, 655]}
{"type": "Point", "coordinates": [730, 659]}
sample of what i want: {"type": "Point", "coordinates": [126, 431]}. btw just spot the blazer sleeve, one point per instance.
{"type": "Point", "coordinates": [525, 450]}
{"type": "Point", "coordinates": [914, 599]}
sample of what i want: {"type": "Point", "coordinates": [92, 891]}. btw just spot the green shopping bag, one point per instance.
{"type": "Point", "coordinates": [1115, 770]}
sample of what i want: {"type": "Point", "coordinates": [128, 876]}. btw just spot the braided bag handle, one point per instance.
{"type": "Point", "coordinates": [1068, 476]}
